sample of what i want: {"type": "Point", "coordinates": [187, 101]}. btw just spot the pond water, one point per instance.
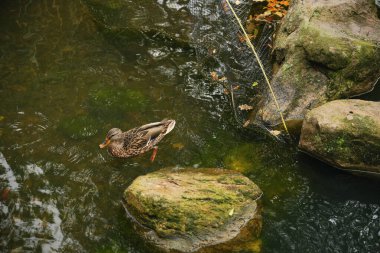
{"type": "Point", "coordinates": [64, 84]}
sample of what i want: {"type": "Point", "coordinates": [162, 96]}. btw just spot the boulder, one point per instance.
{"type": "Point", "coordinates": [345, 134]}
{"type": "Point", "coordinates": [323, 51]}
{"type": "Point", "coordinates": [194, 210]}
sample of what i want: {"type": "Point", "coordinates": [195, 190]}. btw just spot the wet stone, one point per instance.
{"type": "Point", "coordinates": [194, 210]}
{"type": "Point", "coordinates": [345, 134]}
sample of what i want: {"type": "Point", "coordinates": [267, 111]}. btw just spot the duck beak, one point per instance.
{"type": "Point", "coordinates": [105, 143]}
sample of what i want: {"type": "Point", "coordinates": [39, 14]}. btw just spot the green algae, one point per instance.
{"type": "Point", "coordinates": [243, 158]}
{"type": "Point", "coordinates": [205, 204]}
{"type": "Point", "coordinates": [345, 134]}
{"type": "Point", "coordinates": [112, 100]}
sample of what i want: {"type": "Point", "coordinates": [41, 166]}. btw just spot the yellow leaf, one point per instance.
{"type": "Point", "coordinates": [279, 14]}
{"type": "Point", "coordinates": [214, 76]}
{"type": "Point", "coordinates": [245, 107]}
{"type": "Point", "coordinates": [178, 145]}
{"type": "Point", "coordinates": [231, 212]}
{"type": "Point", "coordinates": [275, 132]}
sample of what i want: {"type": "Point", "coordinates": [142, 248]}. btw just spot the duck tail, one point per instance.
{"type": "Point", "coordinates": [171, 125]}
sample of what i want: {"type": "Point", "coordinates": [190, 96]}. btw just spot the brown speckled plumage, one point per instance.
{"type": "Point", "coordinates": [137, 140]}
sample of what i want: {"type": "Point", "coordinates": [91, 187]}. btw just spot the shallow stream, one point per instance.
{"type": "Point", "coordinates": [64, 84]}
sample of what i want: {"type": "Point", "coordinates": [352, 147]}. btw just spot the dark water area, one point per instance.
{"type": "Point", "coordinates": [64, 84]}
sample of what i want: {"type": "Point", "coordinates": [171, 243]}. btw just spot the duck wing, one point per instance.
{"type": "Point", "coordinates": [145, 137]}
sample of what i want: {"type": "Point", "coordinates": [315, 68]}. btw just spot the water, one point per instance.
{"type": "Point", "coordinates": [64, 84]}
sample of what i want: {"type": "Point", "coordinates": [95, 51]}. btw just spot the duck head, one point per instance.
{"type": "Point", "coordinates": [111, 135]}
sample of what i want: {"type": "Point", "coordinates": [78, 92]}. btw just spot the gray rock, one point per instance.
{"type": "Point", "coordinates": [324, 50]}
{"type": "Point", "coordinates": [194, 209]}
{"type": "Point", "coordinates": [345, 134]}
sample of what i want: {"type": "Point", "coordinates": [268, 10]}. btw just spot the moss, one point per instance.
{"type": "Point", "coordinates": [362, 67]}
{"type": "Point", "coordinates": [347, 148]}
{"type": "Point", "coordinates": [331, 51]}
{"type": "Point", "coordinates": [79, 127]}
{"type": "Point", "coordinates": [205, 205]}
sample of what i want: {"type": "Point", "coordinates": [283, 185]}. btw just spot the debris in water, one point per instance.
{"type": "Point", "coordinates": [178, 145]}
{"type": "Point", "coordinates": [275, 132]}
{"type": "Point", "coordinates": [5, 194]}
{"type": "Point", "coordinates": [245, 107]}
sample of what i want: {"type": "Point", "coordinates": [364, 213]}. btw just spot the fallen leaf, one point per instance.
{"type": "Point", "coordinates": [275, 132]}
{"type": "Point", "coordinates": [178, 146]}
{"type": "Point", "coordinates": [5, 194]}
{"type": "Point", "coordinates": [280, 14]}
{"type": "Point", "coordinates": [214, 76]}
{"type": "Point", "coordinates": [231, 212]}
{"type": "Point", "coordinates": [285, 3]}
{"type": "Point", "coordinates": [245, 107]}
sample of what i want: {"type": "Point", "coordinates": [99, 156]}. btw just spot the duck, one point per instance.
{"type": "Point", "coordinates": [137, 140]}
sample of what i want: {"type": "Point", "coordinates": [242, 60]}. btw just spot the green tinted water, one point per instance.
{"type": "Point", "coordinates": [64, 84]}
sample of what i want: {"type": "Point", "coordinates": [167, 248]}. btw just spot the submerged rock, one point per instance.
{"type": "Point", "coordinates": [79, 127]}
{"type": "Point", "coordinates": [345, 134]}
{"type": "Point", "coordinates": [194, 209]}
{"type": "Point", "coordinates": [324, 50]}
{"type": "Point", "coordinates": [113, 100]}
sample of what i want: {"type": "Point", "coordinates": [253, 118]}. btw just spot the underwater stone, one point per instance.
{"type": "Point", "coordinates": [243, 158]}
{"type": "Point", "coordinates": [191, 210]}
{"type": "Point", "coordinates": [79, 127]}
{"type": "Point", "coordinates": [116, 100]}
{"type": "Point", "coordinates": [345, 134]}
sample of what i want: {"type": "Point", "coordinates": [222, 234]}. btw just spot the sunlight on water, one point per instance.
{"type": "Point", "coordinates": [66, 80]}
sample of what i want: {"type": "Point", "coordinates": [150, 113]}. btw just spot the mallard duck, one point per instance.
{"type": "Point", "coordinates": [137, 140]}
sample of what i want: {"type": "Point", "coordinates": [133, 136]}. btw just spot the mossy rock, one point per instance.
{"type": "Point", "coordinates": [80, 127]}
{"type": "Point", "coordinates": [192, 210]}
{"type": "Point", "coordinates": [321, 55]}
{"type": "Point", "coordinates": [113, 100]}
{"type": "Point", "coordinates": [345, 134]}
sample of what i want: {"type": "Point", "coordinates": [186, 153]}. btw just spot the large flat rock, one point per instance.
{"type": "Point", "coordinates": [194, 209]}
{"type": "Point", "coordinates": [345, 134]}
